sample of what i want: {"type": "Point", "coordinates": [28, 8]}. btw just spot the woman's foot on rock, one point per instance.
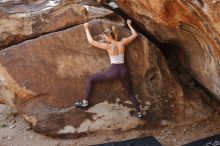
{"type": "Point", "coordinates": [140, 115]}
{"type": "Point", "coordinates": [84, 103]}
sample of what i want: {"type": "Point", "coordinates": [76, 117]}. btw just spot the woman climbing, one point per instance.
{"type": "Point", "coordinates": [118, 69]}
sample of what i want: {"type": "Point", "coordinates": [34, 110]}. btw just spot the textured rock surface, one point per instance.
{"type": "Point", "coordinates": [193, 25]}
{"type": "Point", "coordinates": [21, 20]}
{"type": "Point", "coordinates": [50, 72]}
{"type": "Point", "coordinates": [42, 77]}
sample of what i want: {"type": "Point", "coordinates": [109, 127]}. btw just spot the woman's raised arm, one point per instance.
{"type": "Point", "coordinates": [90, 39]}
{"type": "Point", "coordinates": [129, 39]}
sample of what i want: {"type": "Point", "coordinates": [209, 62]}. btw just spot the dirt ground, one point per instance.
{"type": "Point", "coordinates": [14, 131]}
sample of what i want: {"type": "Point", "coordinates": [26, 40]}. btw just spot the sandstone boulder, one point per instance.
{"type": "Point", "coordinates": [41, 78]}
{"type": "Point", "coordinates": [193, 25]}
{"type": "Point", "coordinates": [21, 20]}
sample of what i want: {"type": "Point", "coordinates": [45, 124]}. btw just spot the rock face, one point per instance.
{"type": "Point", "coordinates": [193, 25]}
{"type": "Point", "coordinates": [21, 21]}
{"type": "Point", "coordinates": [42, 77]}
{"type": "Point", "coordinates": [54, 68]}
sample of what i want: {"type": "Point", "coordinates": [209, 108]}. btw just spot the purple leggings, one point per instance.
{"type": "Point", "coordinates": [116, 71]}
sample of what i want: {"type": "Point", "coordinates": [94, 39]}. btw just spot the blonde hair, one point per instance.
{"type": "Point", "coordinates": [115, 32]}
{"type": "Point", "coordinates": [111, 32]}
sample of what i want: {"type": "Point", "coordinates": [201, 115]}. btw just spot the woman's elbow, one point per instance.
{"type": "Point", "coordinates": [93, 43]}
{"type": "Point", "coordinates": [135, 34]}
{"type": "Point", "coordinates": [90, 41]}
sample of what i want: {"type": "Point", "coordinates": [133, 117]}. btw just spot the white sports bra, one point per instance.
{"type": "Point", "coordinates": [117, 59]}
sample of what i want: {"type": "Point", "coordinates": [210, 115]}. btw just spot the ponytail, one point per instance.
{"type": "Point", "coordinates": [111, 32]}
{"type": "Point", "coordinates": [115, 32]}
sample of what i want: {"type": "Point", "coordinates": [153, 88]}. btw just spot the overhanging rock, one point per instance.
{"type": "Point", "coordinates": [193, 25]}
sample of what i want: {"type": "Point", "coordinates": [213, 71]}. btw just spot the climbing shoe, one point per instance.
{"type": "Point", "coordinates": [140, 115]}
{"type": "Point", "coordinates": [83, 103]}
